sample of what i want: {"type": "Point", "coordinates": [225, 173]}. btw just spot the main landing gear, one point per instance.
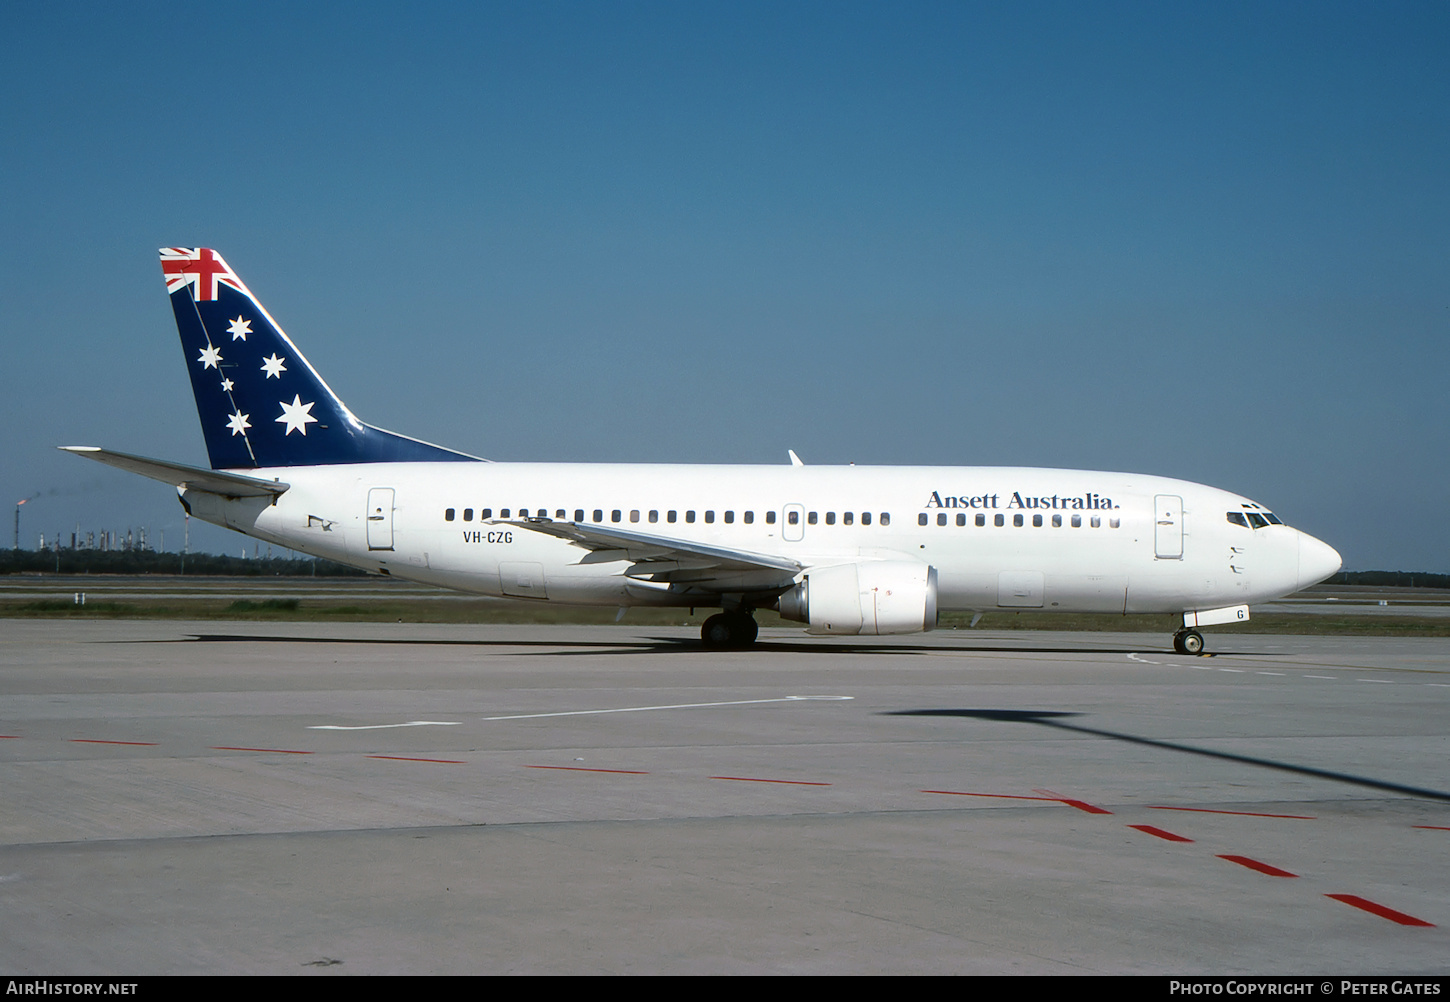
{"type": "Point", "coordinates": [729, 630]}
{"type": "Point", "coordinates": [1188, 642]}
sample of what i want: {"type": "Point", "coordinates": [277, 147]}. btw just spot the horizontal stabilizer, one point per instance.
{"type": "Point", "coordinates": [231, 485]}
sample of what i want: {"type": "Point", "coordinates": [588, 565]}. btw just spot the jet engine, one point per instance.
{"type": "Point", "coordinates": [870, 599]}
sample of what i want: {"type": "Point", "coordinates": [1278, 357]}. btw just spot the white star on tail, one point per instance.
{"type": "Point", "coordinates": [227, 385]}
{"type": "Point", "coordinates": [238, 423]}
{"type": "Point", "coordinates": [273, 366]}
{"type": "Point", "coordinates": [240, 328]}
{"type": "Point", "coordinates": [295, 415]}
{"type": "Point", "coordinates": [210, 357]}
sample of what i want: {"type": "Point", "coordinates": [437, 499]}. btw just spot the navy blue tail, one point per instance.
{"type": "Point", "coordinates": [261, 403]}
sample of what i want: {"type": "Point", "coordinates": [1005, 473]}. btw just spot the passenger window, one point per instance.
{"type": "Point", "coordinates": [670, 516]}
{"type": "Point", "coordinates": [709, 516]}
{"type": "Point", "coordinates": [830, 518]}
{"type": "Point", "coordinates": [1097, 522]}
{"type": "Point", "coordinates": [689, 516]}
{"type": "Point", "coordinates": [634, 514]}
{"type": "Point", "coordinates": [468, 514]}
{"type": "Point", "coordinates": [654, 516]}
{"type": "Point", "coordinates": [729, 517]}
{"type": "Point", "coordinates": [998, 520]}
{"type": "Point", "coordinates": [866, 518]}
{"type": "Point", "coordinates": [1036, 521]}
{"type": "Point", "coordinates": [1057, 521]}
{"type": "Point", "coordinates": [847, 518]}
{"type": "Point", "coordinates": [793, 517]}
{"type": "Point", "coordinates": [448, 515]}
{"type": "Point", "coordinates": [578, 514]}
{"type": "Point", "coordinates": [749, 517]}
{"type": "Point", "coordinates": [1077, 521]}
{"type": "Point", "coordinates": [615, 515]}
{"type": "Point", "coordinates": [503, 513]}
{"type": "Point", "coordinates": [811, 518]}
{"type": "Point", "coordinates": [523, 513]}
{"type": "Point", "coordinates": [1017, 520]}
{"type": "Point", "coordinates": [886, 518]}
{"type": "Point", "coordinates": [1114, 523]}
{"type": "Point", "coordinates": [922, 519]}
{"type": "Point", "coordinates": [981, 519]}
{"type": "Point", "coordinates": [561, 514]}
{"type": "Point", "coordinates": [941, 518]}
{"type": "Point", "coordinates": [598, 514]}
{"type": "Point", "coordinates": [770, 517]}
{"type": "Point", "coordinates": [485, 515]}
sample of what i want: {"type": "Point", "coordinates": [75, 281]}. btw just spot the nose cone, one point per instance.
{"type": "Point", "coordinates": [1317, 560]}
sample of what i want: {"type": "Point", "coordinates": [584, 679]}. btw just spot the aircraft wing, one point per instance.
{"type": "Point", "coordinates": [230, 485]}
{"type": "Point", "coordinates": [656, 554]}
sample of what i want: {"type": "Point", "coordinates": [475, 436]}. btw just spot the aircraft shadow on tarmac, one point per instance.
{"type": "Point", "coordinates": [689, 645]}
{"type": "Point", "coordinates": [1053, 718]}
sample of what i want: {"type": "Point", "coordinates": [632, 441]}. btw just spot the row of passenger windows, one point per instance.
{"type": "Point", "coordinates": [1095, 521]}
{"type": "Point", "coordinates": [1253, 519]}
{"type": "Point", "coordinates": [792, 517]}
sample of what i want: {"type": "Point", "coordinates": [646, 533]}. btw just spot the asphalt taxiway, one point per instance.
{"type": "Point", "coordinates": [289, 798]}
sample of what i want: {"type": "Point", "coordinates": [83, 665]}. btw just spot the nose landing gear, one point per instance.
{"type": "Point", "coordinates": [1188, 642]}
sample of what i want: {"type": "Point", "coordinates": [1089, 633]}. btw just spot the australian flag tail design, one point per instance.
{"type": "Point", "coordinates": [261, 403]}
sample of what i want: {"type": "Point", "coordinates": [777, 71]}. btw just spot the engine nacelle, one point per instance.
{"type": "Point", "coordinates": [871, 599]}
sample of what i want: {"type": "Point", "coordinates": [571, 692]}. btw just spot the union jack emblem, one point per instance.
{"type": "Point", "coordinates": [198, 267]}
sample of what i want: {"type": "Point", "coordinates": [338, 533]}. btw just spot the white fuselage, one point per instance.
{"type": "Point", "coordinates": [1055, 540]}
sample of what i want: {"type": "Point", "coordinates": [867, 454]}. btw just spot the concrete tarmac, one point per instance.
{"type": "Point", "coordinates": [291, 798]}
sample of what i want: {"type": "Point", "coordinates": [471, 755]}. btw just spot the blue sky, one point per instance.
{"type": "Point", "coordinates": [1205, 241]}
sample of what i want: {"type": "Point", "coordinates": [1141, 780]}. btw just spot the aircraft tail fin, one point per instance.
{"type": "Point", "coordinates": [260, 401]}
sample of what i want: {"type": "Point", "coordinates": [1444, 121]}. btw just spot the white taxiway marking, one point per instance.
{"type": "Point", "coordinates": [1321, 676]}
{"type": "Point", "coordinates": [1142, 661]}
{"type": "Point", "coordinates": [674, 706]}
{"type": "Point", "coordinates": [379, 727]}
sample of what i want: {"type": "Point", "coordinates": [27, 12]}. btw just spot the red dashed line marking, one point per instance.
{"type": "Point", "coordinates": [1246, 814]}
{"type": "Point", "coordinates": [99, 741]}
{"type": "Point", "coordinates": [1079, 804]}
{"type": "Point", "coordinates": [580, 768]}
{"type": "Point", "coordinates": [1254, 864]}
{"type": "Point", "coordinates": [1438, 828]}
{"type": "Point", "coordinates": [1160, 833]}
{"type": "Point", "coordinates": [751, 779]}
{"type": "Point", "coordinates": [275, 751]}
{"type": "Point", "coordinates": [1364, 904]}
{"type": "Point", "coordinates": [9, 735]}
{"type": "Point", "coordinates": [404, 758]}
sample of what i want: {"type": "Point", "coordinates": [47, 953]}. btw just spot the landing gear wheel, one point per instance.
{"type": "Point", "coordinates": [716, 632]}
{"type": "Point", "coordinates": [729, 629]}
{"type": "Point", "coordinates": [1188, 642]}
{"type": "Point", "coordinates": [746, 630]}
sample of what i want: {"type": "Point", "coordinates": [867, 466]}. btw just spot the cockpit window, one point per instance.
{"type": "Point", "coordinates": [1253, 519]}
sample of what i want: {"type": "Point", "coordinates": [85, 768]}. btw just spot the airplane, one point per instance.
{"type": "Point", "coordinates": [847, 550]}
